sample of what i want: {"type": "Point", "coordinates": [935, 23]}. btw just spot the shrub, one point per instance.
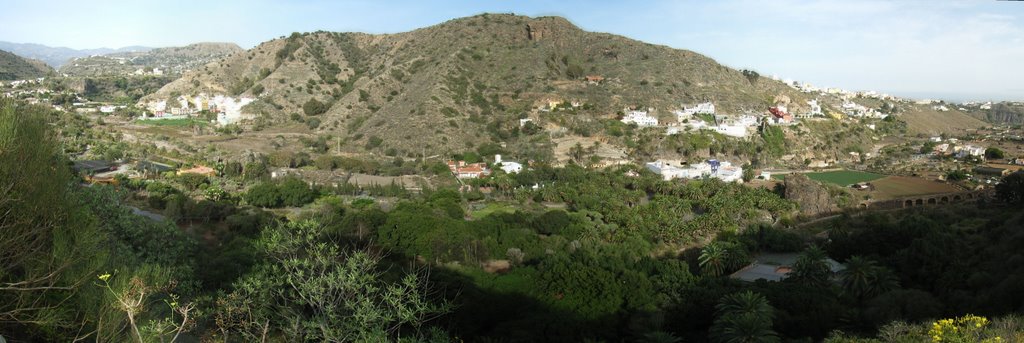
{"type": "Point", "coordinates": [374, 142]}
{"type": "Point", "coordinates": [295, 193]}
{"type": "Point", "coordinates": [264, 195]}
{"type": "Point", "coordinates": [314, 107]}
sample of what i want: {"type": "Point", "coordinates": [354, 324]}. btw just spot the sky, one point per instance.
{"type": "Point", "coordinates": [953, 50]}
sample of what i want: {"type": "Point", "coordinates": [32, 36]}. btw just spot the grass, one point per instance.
{"type": "Point", "coordinates": [842, 177]}
{"type": "Point", "coordinates": [183, 122]}
{"type": "Point", "coordinates": [493, 207]}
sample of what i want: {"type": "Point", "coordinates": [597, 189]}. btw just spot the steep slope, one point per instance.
{"type": "Point", "coordinates": [1005, 113]}
{"type": "Point", "coordinates": [173, 60]}
{"type": "Point", "coordinates": [468, 81]}
{"type": "Point", "coordinates": [14, 67]}
{"type": "Point", "coordinates": [925, 120]}
{"type": "Point", "coordinates": [57, 56]}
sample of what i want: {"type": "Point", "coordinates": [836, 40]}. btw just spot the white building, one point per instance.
{"type": "Point", "coordinates": [522, 122]}
{"type": "Point", "coordinates": [739, 127]}
{"type": "Point", "coordinates": [701, 108]}
{"type": "Point", "coordinates": [715, 169]}
{"type": "Point", "coordinates": [508, 166]}
{"type": "Point", "coordinates": [970, 150]}
{"type": "Point", "coordinates": [815, 108]}
{"type": "Point", "coordinates": [640, 118]}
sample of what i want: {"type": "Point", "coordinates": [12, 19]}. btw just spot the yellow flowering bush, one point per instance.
{"type": "Point", "coordinates": [966, 329]}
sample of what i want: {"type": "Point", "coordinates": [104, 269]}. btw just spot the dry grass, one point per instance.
{"type": "Point", "coordinates": [931, 122]}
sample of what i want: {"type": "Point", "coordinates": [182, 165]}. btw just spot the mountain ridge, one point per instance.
{"type": "Point", "coordinates": [14, 67]}
{"type": "Point", "coordinates": [459, 79]}
{"type": "Point", "coordinates": [56, 56]}
{"type": "Point", "coordinates": [174, 60]}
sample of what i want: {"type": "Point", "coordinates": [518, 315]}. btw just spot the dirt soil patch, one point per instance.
{"type": "Point", "coordinates": [902, 186]}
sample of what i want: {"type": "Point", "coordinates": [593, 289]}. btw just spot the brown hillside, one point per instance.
{"type": "Point", "coordinates": [467, 81]}
{"type": "Point", "coordinates": [14, 67]}
{"type": "Point", "coordinates": [924, 120]}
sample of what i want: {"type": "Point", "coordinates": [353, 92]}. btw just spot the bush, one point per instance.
{"type": "Point", "coordinates": [994, 153]}
{"type": "Point", "coordinates": [374, 142]}
{"type": "Point", "coordinates": [264, 195]}
{"type": "Point", "coordinates": [295, 193]}
{"type": "Point", "coordinates": [192, 181]}
{"type": "Point", "coordinates": [956, 175]}
{"type": "Point", "coordinates": [552, 222]}
{"type": "Point", "coordinates": [314, 107]}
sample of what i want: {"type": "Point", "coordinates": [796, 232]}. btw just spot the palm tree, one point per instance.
{"type": "Point", "coordinates": [811, 267]}
{"type": "Point", "coordinates": [713, 259]}
{"type": "Point", "coordinates": [863, 278]}
{"type": "Point", "coordinates": [743, 317]}
{"type": "Point", "coordinates": [660, 337]}
{"type": "Point", "coordinates": [747, 328]}
{"type": "Point", "coordinates": [743, 303]}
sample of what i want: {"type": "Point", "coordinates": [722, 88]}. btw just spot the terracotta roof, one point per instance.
{"type": "Point", "coordinates": [204, 170]}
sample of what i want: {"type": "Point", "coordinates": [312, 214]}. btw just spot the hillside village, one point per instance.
{"type": "Point", "coordinates": [495, 178]}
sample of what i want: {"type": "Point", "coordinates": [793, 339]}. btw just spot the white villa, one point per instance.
{"type": "Point", "coordinates": [815, 108]}
{"type": "Point", "coordinates": [640, 118]}
{"type": "Point", "coordinates": [739, 128]}
{"type": "Point", "coordinates": [721, 170]}
{"type": "Point", "coordinates": [969, 150]}
{"type": "Point", "coordinates": [508, 166]}
{"type": "Point", "coordinates": [701, 108]}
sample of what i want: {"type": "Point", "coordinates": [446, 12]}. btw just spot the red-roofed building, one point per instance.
{"type": "Point", "coordinates": [780, 116]}
{"type": "Point", "coordinates": [464, 170]}
{"type": "Point", "coordinates": [201, 170]}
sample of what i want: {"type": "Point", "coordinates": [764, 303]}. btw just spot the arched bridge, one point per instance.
{"type": "Point", "coordinates": [927, 200]}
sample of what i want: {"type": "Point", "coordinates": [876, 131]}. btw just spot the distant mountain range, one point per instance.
{"type": "Point", "coordinates": [58, 56]}
{"type": "Point", "coordinates": [171, 60]}
{"type": "Point", "coordinates": [14, 67]}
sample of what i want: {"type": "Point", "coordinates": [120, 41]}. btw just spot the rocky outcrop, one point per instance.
{"type": "Point", "coordinates": [533, 32]}
{"type": "Point", "coordinates": [811, 196]}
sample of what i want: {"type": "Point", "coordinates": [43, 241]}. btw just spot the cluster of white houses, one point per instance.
{"type": "Point", "coordinates": [640, 118]}
{"type": "Point", "coordinates": [853, 109]}
{"type": "Point", "coordinates": [228, 109]}
{"type": "Point", "coordinates": [952, 147]}
{"type": "Point", "coordinates": [698, 117]}
{"type": "Point", "coordinates": [713, 169]}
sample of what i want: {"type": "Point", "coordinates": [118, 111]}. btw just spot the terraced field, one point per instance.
{"type": "Point", "coordinates": [842, 177]}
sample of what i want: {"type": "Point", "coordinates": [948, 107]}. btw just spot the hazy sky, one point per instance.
{"type": "Point", "coordinates": [956, 50]}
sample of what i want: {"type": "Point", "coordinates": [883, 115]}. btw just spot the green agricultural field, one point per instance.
{"type": "Point", "coordinates": [841, 177]}
{"type": "Point", "coordinates": [492, 208]}
{"type": "Point", "coordinates": [184, 122]}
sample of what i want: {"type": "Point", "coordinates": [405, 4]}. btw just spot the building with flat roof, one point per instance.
{"type": "Point", "coordinates": [776, 267]}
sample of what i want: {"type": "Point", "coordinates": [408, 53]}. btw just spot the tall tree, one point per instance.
{"type": "Point", "coordinates": [744, 317]}
{"type": "Point", "coordinates": [1011, 189]}
{"type": "Point", "coordinates": [863, 278]}
{"type": "Point", "coordinates": [48, 248]}
{"type": "Point", "coordinates": [713, 259]}
{"type": "Point", "coordinates": [313, 289]}
{"type": "Point", "coordinates": [812, 268]}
